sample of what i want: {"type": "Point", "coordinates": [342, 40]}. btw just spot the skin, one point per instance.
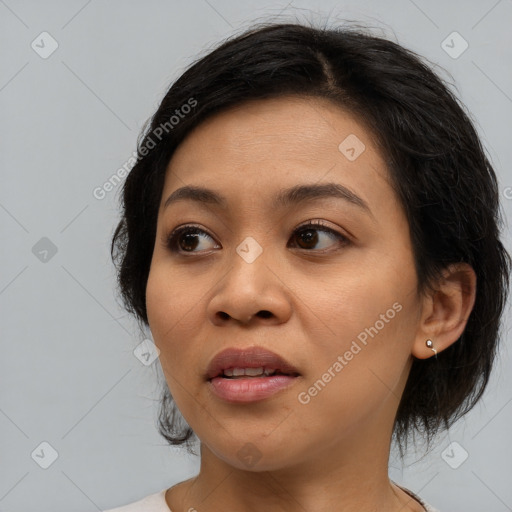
{"type": "Point", "coordinates": [332, 453]}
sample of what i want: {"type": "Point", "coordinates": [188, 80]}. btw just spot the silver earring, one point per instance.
{"type": "Point", "coordinates": [430, 345]}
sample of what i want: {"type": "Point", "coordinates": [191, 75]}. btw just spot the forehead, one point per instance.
{"type": "Point", "coordinates": [264, 145]}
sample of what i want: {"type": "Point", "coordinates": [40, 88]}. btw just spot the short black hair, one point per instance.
{"type": "Point", "coordinates": [437, 165]}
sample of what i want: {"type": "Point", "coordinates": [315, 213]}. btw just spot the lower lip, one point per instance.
{"type": "Point", "coordinates": [250, 389]}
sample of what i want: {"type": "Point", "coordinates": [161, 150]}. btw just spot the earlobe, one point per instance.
{"type": "Point", "coordinates": [446, 311]}
{"type": "Point", "coordinates": [430, 345]}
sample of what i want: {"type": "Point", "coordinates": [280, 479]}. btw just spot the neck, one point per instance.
{"type": "Point", "coordinates": [352, 477]}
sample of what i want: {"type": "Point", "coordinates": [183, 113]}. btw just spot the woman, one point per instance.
{"type": "Point", "coordinates": [311, 233]}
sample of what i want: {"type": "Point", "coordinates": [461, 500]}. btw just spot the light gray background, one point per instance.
{"type": "Point", "coordinates": [69, 376]}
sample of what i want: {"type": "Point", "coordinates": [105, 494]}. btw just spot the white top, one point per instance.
{"type": "Point", "coordinates": [156, 503]}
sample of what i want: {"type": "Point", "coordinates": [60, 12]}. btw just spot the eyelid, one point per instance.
{"type": "Point", "coordinates": [321, 225]}
{"type": "Point", "coordinates": [317, 223]}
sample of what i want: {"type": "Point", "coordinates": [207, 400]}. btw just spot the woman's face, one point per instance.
{"type": "Point", "coordinates": [339, 300]}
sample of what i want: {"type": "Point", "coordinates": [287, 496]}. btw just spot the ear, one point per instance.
{"type": "Point", "coordinates": [446, 310]}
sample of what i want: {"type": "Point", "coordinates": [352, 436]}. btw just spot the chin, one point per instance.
{"type": "Point", "coordinates": [256, 454]}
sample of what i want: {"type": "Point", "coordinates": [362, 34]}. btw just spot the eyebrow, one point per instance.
{"type": "Point", "coordinates": [286, 197]}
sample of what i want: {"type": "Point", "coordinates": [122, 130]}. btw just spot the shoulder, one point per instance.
{"type": "Point", "coordinates": [151, 503]}
{"type": "Point", "coordinates": [430, 508]}
{"type": "Point", "coordinates": [424, 504]}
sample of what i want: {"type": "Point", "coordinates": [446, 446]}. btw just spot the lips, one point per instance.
{"type": "Point", "coordinates": [254, 357]}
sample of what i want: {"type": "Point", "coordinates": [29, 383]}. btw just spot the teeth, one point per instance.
{"type": "Point", "coordinates": [247, 372]}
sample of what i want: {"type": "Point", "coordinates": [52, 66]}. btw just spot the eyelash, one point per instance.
{"type": "Point", "coordinates": [173, 237]}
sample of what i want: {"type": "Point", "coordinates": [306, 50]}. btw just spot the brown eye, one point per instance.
{"type": "Point", "coordinates": [308, 237]}
{"type": "Point", "coordinates": [186, 239]}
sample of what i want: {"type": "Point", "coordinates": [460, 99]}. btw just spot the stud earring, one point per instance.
{"type": "Point", "coordinates": [430, 345]}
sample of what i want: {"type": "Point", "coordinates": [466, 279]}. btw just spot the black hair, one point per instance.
{"type": "Point", "coordinates": [438, 170]}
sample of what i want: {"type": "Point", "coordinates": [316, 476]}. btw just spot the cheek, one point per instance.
{"type": "Point", "coordinates": [174, 310]}
{"type": "Point", "coordinates": [366, 313]}
{"type": "Point", "coordinates": [158, 302]}
{"type": "Point", "coordinates": [165, 310]}
{"type": "Point", "coordinates": [170, 301]}
{"type": "Point", "coordinates": [359, 293]}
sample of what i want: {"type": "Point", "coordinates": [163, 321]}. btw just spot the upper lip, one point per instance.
{"type": "Point", "coordinates": [253, 357]}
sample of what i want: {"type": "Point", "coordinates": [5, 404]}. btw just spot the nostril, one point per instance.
{"type": "Point", "coordinates": [265, 313]}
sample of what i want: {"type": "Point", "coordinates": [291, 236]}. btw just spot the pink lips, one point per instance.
{"type": "Point", "coordinates": [249, 389]}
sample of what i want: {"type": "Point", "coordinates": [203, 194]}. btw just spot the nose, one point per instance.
{"type": "Point", "coordinates": [251, 292]}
